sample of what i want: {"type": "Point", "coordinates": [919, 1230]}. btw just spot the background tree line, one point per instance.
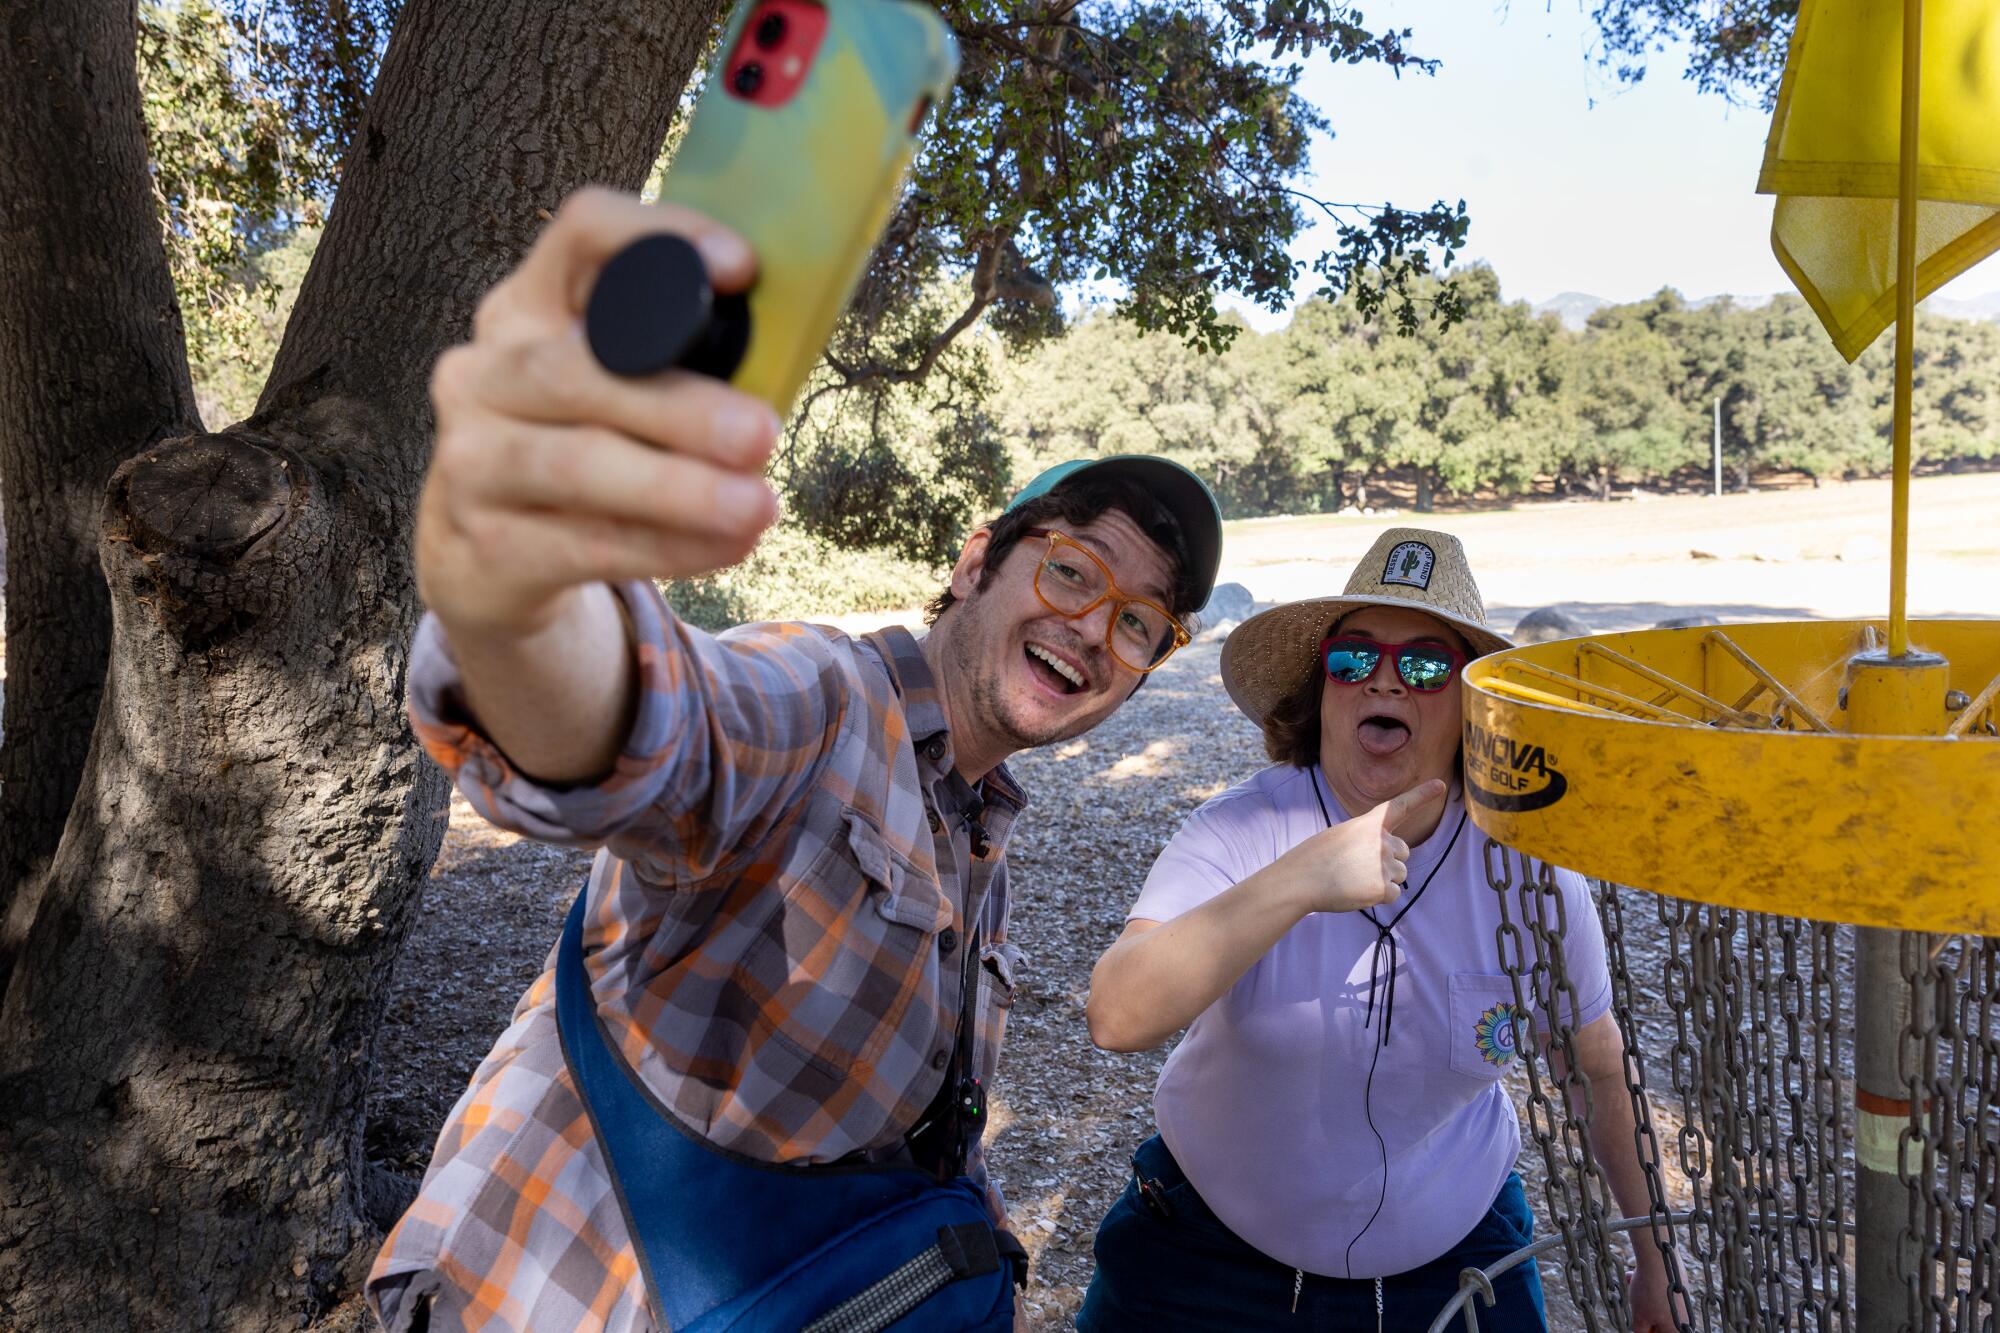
{"type": "Point", "coordinates": [1319, 414]}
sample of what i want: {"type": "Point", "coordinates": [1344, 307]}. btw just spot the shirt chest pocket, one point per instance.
{"type": "Point", "coordinates": [1487, 1027]}
{"type": "Point", "coordinates": [849, 942]}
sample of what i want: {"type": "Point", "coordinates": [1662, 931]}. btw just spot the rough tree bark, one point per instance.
{"type": "Point", "coordinates": [186, 1033]}
{"type": "Point", "coordinates": [92, 366]}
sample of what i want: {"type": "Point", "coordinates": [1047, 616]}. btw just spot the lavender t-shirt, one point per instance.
{"type": "Point", "coordinates": [1268, 1103]}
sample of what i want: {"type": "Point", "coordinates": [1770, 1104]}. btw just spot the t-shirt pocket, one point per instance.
{"type": "Point", "coordinates": [1487, 1027]}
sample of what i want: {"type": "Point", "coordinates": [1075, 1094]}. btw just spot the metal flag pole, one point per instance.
{"type": "Point", "coordinates": [1901, 693]}
{"type": "Point", "coordinates": [1717, 440]}
{"type": "Point", "coordinates": [1906, 309]}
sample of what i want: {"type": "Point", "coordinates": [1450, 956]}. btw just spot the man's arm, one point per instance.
{"type": "Point", "coordinates": [559, 701]}
{"type": "Point", "coordinates": [550, 478]}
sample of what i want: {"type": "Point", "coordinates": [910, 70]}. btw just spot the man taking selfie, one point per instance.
{"type": "Point", "coordinates": [780, 1000]}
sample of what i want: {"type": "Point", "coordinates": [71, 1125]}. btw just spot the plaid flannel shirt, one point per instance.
{"type": "Point", "coordinates": [774, 937]}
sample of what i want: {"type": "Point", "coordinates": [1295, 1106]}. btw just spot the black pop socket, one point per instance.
{"type": "Point", "coordinates": [652, 309]}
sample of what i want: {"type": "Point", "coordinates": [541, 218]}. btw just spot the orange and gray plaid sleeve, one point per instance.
{"type": "Point", "coordinates": [727, 731]}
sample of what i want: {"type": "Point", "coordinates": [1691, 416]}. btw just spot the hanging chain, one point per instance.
{"type": "Point", "coordinates": [1611, 911]}
{"type": "Point", "coordinates": [1559, 1183]}
{"type": "Point", "coordinates": [1751, 1134]}
{"type": "Point", "coordinates": [1948, 1062]}
{"type": "Point", "coordinates": [1579, 1197]}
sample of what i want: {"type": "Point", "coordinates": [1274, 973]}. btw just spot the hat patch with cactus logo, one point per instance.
{"type": "Point", "coordinates": [1410, 563]}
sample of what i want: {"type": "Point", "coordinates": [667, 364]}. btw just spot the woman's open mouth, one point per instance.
{"type": "Point", "coordinates": [1382, 736]}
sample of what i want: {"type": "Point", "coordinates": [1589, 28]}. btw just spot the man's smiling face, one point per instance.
{"type": "Point", "coordinates": [1027, 675]}
{"type": "Point", "coordinates": [1380, 738]}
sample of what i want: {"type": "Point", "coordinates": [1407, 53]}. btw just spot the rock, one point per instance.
{"type": "Point", "coordinates": [1546, 623]}
{"type": "Point", "coordinates": [1699, 554]}
{"type": "Point", "coordinates": [1776, 553]}
{"type": "Point", "coordinates": [1685, 622]}
{"type": "Point", "coordinates": [1349, 511]}
{"type": "Point", "coordinates": [1861, 548]}
{"type": "Point", "coordinates": [1217, 632]}
{"type": "Point", "coordinates": [1229, 601]}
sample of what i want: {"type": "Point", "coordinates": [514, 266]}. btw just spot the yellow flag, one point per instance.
{"type": "Point", "coordinates": [1832, 156]}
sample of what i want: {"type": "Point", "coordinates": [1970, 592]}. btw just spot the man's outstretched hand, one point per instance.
{"type": "Point", "coordinates": [550, 473]}
{"type": "Point", "coordinates": [553, 478]}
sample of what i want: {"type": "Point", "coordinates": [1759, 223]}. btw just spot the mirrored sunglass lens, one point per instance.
{"type": "Point", "coordinates": [1351, 662]}
{"type": "Point", "coordinates": [1424, 670]}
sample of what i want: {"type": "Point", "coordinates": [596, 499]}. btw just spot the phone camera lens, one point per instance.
{"type": "Point", "coordinates": [748, 79]}
{"type": "Point", "coordinates": [771, 30]}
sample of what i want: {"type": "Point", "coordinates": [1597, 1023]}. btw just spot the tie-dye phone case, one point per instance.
{"type": "Point", "coordinates": [810, 183]}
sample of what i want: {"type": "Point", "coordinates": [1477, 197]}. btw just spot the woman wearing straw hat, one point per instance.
{"type": "Point", "coordinates": [1334, 1145]}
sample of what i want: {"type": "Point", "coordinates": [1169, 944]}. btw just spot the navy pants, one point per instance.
{"type": "Point", "coordinates": [1189, 1271]}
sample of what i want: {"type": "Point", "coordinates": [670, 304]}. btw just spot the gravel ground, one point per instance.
{"type": "Point", "coordinates": [490, 914]}
{"type": "Point", "coordinates": [1065, 1116]}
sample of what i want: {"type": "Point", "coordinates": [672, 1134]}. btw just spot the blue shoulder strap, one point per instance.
{"type": "Point", "coordinates": [708, 1224]}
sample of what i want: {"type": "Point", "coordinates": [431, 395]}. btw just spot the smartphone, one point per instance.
{"type": "Point", "coordinates": [799, 142]}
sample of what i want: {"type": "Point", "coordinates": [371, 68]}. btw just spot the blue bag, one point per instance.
{"type": "Point", "coordinates": [730, 1243]}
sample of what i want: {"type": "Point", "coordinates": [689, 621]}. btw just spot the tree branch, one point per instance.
{"type": "Point", "coordinates": [984, 289]}
{"type": "Point", "coordinates": [437, 201]}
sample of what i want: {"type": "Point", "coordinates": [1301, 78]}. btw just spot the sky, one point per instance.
{"type": "Point", "coordinates": [1574, 181]}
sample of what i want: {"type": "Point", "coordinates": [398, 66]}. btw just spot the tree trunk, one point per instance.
{"type": "Point", "coordinates": [1604, 485]}
{"type": "Point", "coordinates": [91, 368]}
{"type": "Point", "coordinates": [185, 1042]}
{"type": "Point", "coordinates": [1426, 489]}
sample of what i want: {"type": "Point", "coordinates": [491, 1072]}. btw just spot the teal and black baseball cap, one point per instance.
{"type": "Point", "coordinates": [1179, 491]}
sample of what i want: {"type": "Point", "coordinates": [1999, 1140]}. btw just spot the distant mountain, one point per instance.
{"type": "Point", "coordinates": [1977, 307]}
{"type": "Point", "coordinates": [1576, 308]}
{"type": "Point", "coordinates": [1740, 302]}
{"type": "Point", "coordinates": [1572, 308]}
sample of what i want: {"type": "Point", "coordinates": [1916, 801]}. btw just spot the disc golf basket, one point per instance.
{"type": "Point", "coordinates": [1810, 811]}
{"type": "Point", "coordinates": [1813, 1016]}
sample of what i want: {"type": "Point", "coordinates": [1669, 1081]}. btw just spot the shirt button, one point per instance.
{"type": "Point", "coordinates": [936, 823]}
{"type": "Point", "coordinates": [947, 940]}
{"type": "Point", "coordinates": [940, 1060]}
{"type": "Point", "coordinates": [934, 751]}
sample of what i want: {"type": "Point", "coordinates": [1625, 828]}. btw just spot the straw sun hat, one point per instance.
{"type": "Point", "coordinates": [1271, 654]}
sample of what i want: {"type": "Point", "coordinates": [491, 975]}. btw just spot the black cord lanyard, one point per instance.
{"type": "Point", "coordinates": [1384, 938]}
{"type": "Point", "coordinates": [1385, 935]}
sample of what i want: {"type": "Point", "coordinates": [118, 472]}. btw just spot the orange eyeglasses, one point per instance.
{"type": "Point", "coordinates": [1073, 582]}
